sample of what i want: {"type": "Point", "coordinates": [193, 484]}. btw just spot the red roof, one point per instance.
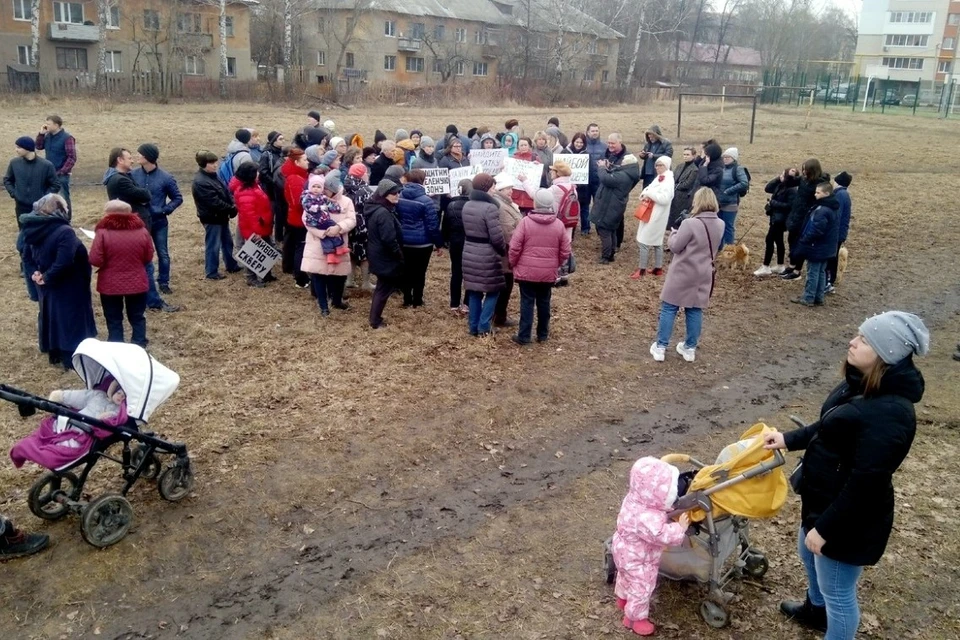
{"type": "Point", "coordinates": [730, 55]}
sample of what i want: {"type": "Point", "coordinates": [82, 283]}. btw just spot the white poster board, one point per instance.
{"type": "Point", "coordinates": [437, 182]}
{"type": "Point", "coordinates": [258, 256]}
{"type": "Point", "coordinates": [531, 170]}
{"type": "Point", "coordinates": [489, 160]}
{"type": "Point", "coordinates": [462, 173]}
{"type": "Point", "coordinates": [579, 163]}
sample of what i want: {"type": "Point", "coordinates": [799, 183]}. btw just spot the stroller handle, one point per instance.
{"type": "Point", "coordinates": [24, 399]}
{"type": "Point", "coordinates": [797, 421]}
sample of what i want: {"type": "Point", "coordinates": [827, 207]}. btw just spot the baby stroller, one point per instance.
{"type": "Point", "coordinates": [746, 482]}
{"type": "Point", "coordinates": [147, 383]}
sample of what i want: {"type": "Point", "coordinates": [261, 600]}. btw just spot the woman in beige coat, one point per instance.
{"type": "Point", "coordinates": [510, 217]}
{"type": "Point", "coordinates": [329, 279]}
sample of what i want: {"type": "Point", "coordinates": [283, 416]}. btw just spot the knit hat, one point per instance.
{"type": "Point", "coordinates": [315, 178]}
{"type": "Point", "coordinates": [242, 136]}
{"type": "Point", "coordinates": [843, 179]}
{"type": "Point", "coordinates": [665, 161]}
{"type": "Point", "coordinates": [894, 335]}
{"type": "Point", "coordinates": [628, 160]}
{"type": "Point", "coordinates": [555, 121]}
{"type": "Point", "coordinates": [314, 114]}
{"type": "Point", "coordinates": [483, 182]}
{"type": "Point", "coordinates": [329, 125]}
{"type": "Point", "coordinates": [335, 141]}
{"type": "Point", "coordinates": [369, 151]}
{"type": "Point", "coordinates": [504, 181]}
{"type": "Point", "coordinates": [511, 123]}
{"type": "Point", "coordinates": [472, 132]}
{"type": "Point", "coordinates": [26, 143]}
{"type": "Point", "coordinates": [543, 200]}
{"type": "Point", "coordinates": [427, 141]}
{"type": "Point", "coordinates": [379, 137]}
{"type": "Point", "coordinates": [357, 170]}
{"type": "Point", "coordinates": [150, 152]}
{"type": "Point", "coordinates": [401, 135]}
{"type": "Point", "coordinates": [452, 128]}
{"type": "Point", "coordinates": [394, 172]}
{"type": "Point", "coordinates": [387, 187]}
{"type": "Point", "coordinates": [553, 131]}
{"type": "Point", "coordinates": [272, 137]}
{"type": "Point", "coordinates": [562, 168]}
{"type": "Point", "coordinates": [329, 158]}
{"type": "Point", "coordinates": [733, 152]}
{"type": "Point", "coordinates": [332, 182]}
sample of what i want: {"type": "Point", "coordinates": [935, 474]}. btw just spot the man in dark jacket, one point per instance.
{"type": "Point", "coordinates": [656, 147]}
{"type": "Point", "coordinates": [596, 149]}
{"type": "Point", "coordinates": [612, 157]}
{"type": "Point", "coordinates": [616, 183]}
{"type": "Point", "coordinates": [384, 246]}
{"type": "Point", "coordinates": [818, 244]}
{"type": "Point", "coordinates": [60, 148]}
{"type": "Point", "coordinates": [120, 185]}
{"type": "Point", "coordinates": [383, 162]}
{"type": "Point", "coordinates": [215, 207]}
{"type": "Point", "coordinates": [271, 181]}
{"type": "Point", "coordinates": [28, 177]}
{"type": "Point", "coordinates": [165, 198]}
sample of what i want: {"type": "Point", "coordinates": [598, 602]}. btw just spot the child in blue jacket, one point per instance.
{"type": "Point", "coordinates": [818, 244]}
{"type": "Point", "coordinates": [843, 180]}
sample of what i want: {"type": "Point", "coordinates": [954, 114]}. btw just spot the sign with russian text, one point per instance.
{"type": "Point", "coordinates": [579, 164]}
{"type": "Point", "coordinates": [258, 255]}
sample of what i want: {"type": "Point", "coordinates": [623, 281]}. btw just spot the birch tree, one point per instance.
{"type": "Point", "coordinates": [35, 33]}
{"type": "Point", "coordinates": [103, 17]}
{"type": "Point", "coordinates": [223, 49]}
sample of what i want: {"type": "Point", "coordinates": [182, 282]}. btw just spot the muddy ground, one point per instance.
{"type": "Point", "coordinates": [416, 483]}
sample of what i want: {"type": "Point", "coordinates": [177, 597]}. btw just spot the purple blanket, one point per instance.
{"type": "Point", "coordinates": [48, 448]}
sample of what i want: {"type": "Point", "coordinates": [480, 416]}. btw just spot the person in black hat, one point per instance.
{"type": "Point", "coordinates": [378, 139]}
{"type": "Point", "coordinates": [843, 180]}
{"type": "Point", "coordinates": [165, 198]}
{"type": "Point", "coordinates": [384, 246]}
{"type": "Point", "coordinates": [271, 181]}
{"type": "Point", "coordinates": [29, 177]}
{"type": "Point", "coordinates": [313, 119]}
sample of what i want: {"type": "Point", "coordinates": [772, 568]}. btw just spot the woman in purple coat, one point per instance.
{"type": "Point", "coordinates": [689, 282]}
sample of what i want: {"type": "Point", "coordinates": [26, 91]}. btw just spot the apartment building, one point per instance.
{"type": "Point", "coordinates": [436, 41]}
{"type": "Point", "coordinates": [908, 40]}
{"type": "Point", "coordinates": [171, 36]}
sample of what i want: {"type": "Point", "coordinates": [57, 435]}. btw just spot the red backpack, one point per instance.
{"type": "Point", "coordinates": [569, 210]}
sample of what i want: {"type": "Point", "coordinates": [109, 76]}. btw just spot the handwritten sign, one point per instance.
{"type": "Point", "coordinates": [531, 170]}
{"type": "Point", "coordinates": [579, 163]}
{"type": "Point", "coordinates": [462, 173]}
{"type": "Point", "coordinates": [489, 160]}
{"type": "Point", "coordinates": [258, 255]}
{"type": "Point", "coordinates": [437, 182]}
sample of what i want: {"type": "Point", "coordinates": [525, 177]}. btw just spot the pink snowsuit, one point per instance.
{"type": "Point", "coordinates": [643, 531]}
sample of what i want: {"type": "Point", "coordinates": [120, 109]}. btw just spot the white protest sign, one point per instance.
{"type": "Point", "coordinates": [531, 170]}
{"type": "Point", "coordinates": [489, 160]}
{"type": "Point", "coordinates": [579, 163]}
{"type": "Point", "coordinates": [258, 256]}
{"type": "Point", "coordinates": [437, 182]}
{"type": "Point", "coordinates": [462, 173]}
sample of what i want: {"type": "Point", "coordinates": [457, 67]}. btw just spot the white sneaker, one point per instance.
{"type": "Point", "coordinates": [764, 270]}
{"type": "Point", "coordinates": [659, 353]}
{"type": "Point", "coordinates": [688, 354]}
{"type": "Point", "coordinates": [778, 269]}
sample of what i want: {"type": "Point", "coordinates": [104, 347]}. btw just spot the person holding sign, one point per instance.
{"type": "Point", "coordinates": [254, 213]}
{"type": "Point", "coordinates": [520, 197]}
{"type": "Point", "coordinates": [420, 220]}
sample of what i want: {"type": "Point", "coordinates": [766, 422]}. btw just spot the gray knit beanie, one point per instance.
{"type": "Point", "coordinates": [332, 182]}
{"type": "Point", "coordinates": [894, 335]}
{"type": "Point", "coordinates": [402, 135]}
{"type": "Point", "coordinates": [427, 141]}
{"type": "Point", "coordinates": [394, 172]}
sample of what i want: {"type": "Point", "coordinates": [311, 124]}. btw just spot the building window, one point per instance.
{"type": "Point", "coordinates": [900, 40]}
{"type": "Point", "coordinates": [231, 67]}
{"type": "Point", "coordinates": [945, 66]}
{"type": "Point", "coordinates": [479, 36]}
{"type": "Point", "coordinates": [349, 60]}
{"type": "Point", "coordinates": [417, 30]}
{"type": "Point", "coordinates": [188, 22]}
{"type": "Point", "coordinates": [414, 65]}
{"type": "Point", "coordinates": [605, 76]}
{"type": "Point", "coordinates": [322, 25]}
{"type": "Point", "coordinates": [321, 58]}
{"type": "Point", "coordinates": [460, 35]}
{"type": "Point", "coordinates": [439, 32]}
{"type": "Point", "coordinates": [437, 65]}
{"type": "Point", "coordinates": [541, 42]}
{"type": "Point", "coordinates": [70, 58]}
{"type": "Point", "coordinates": [193, 65]}
{"type": "Point", "coordinates": [460, 67]}
{"type": "Point", "coordinates": [921, 17]}
{"type": "Point", "coordinates": [68, 12]}
{"type": "Point", "coordinates": [479, 68]}
{"type": "Point", "coordinates": [948, 43]}
{"type": "Point", "coordinates": [113, 61]}
{"type": "Point", "coordinates": [903, 63]}
{"type": "Point", "coordinates": [590, 75]}
{"type": "Point", "coordinates": [22, 10]}
{"type": "Point", "coordinates": [151, 20]}
{"type": "Point", "coordinates": [24, 53]}
{"type": "Point", "coordinates": [228, 20]}
{"type": "Point", "coordinates": [389, 63]}
{"type": "Point", "coordinates": [592, 46]}
{"type": "Point", "coordinates": [952, 19]}
{"type": "Point", "coordinates": [390, 28]}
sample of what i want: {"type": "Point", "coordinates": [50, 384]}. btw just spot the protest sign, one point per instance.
{"type": "Point", "coordinates": [258, 256]}
{"type": "Point", "coordinates": [532, 170]}
{"type": "Point", "coordinates": [579, 163]}
{"type": "Point", "coordinates": [489, 160]}
{"type": "Point", "coordinates": [438, 182]}
{"type": "Point", "coordinates": [460, 173]}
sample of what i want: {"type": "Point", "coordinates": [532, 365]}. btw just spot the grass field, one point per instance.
{"type": "Point", "coordinates": [417, 483]}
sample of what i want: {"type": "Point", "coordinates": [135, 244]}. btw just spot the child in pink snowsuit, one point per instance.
{"type": "Point", "coordinates": [643, 531]}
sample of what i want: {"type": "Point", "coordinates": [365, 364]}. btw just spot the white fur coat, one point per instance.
{"type": "Point", "coordinates": [661, 192]}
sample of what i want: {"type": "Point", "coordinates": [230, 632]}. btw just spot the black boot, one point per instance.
{"type": "Point", "coordinates": [805, 614]}
{"type": "Point", "coordinates": [15, 544]}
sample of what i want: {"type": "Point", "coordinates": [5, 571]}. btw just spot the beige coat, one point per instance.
{"type": "Point", "coordinates": [510, 217]}
{"type": "Point", "coordinates": [314, 261]}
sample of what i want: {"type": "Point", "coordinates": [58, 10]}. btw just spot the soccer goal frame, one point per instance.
{"type": "Point", "coordinates": [723, 97]}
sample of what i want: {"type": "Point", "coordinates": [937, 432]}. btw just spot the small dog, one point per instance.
{"type": "Point", "coordinates": [734, 256]}
{"type": "Point", "coordinates": [841, 265]}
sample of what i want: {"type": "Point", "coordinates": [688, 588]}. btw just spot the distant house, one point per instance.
{"type": "Point", "coordinates": [721, 62]}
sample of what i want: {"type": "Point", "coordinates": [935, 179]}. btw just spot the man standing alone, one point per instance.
{"type": "Point", "coordinates": [165, 198]}
{"type": "Point", "coordinates": [60, 148]}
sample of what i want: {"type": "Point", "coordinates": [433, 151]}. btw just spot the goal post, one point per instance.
{"type": "Point", "coordinates": [723, 97]}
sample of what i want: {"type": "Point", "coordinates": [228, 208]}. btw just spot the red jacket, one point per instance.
{"type": "Point", "coordinates": [520, 197]}
{"type": "Point", "coordinates": [538, 247]}
{"type": "Point", "coordinates": [121, 249]}
{"type": "Point", "coordinates": [254, 215]}
{"type": "Point", "coordinates": [295, 179]}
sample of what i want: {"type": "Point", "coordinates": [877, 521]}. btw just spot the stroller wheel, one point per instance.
{"type": "Point", "coordinates": [756, 565]}
{"type": "Point", "coordinates": [714, 615]}
{"type": "Point", "coordinates": [43, 495]}
{"type": "Point", "coordinates": [106, 520]}
{"type": "Point", "coordinates": [152, 468]}
{"type": "Point", "coordinates": [175, 482]}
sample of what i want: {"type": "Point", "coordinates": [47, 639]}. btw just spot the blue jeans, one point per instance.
{"type": "Point", "coordinates": [65, 191]}
{"type": "Point", "coordinates": [832, 584]}
{"type": "Point", "coordinates": [482, 306]}
{"type": "Point", "coordinates": [163, 254]}
{"type": "Point", "coordinates": [668, 315]}
{"type": "Point", "coordinates": [816, 286]}
{"type": "Point", "coordinates": [729, 227]}
{"type": "Point", "coordinates": [154, 301]}
{"type": "Point", "coordinates": [217, 239]}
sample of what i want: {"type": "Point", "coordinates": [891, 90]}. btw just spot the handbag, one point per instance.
{"type": "Point", "coordinates": [644, 211]}
{"type": "Point", "coordinates": [713, 261]}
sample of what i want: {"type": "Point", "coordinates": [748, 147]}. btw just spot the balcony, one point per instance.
{"type": "Point", "coordinates": [69, 32]}
{"type": "Point", "coordinates": [491, 49]}
{"type": "Point", "coordinates": [597, 58]}
{"type": "Point", "coordinates": [408, 44]}
{"type": "Point", "coordinates": [195, 41]}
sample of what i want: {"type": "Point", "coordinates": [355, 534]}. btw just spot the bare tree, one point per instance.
{"type": "Point", "coordinates": [447, 54]}
{"type": "Point", "coordinates": [223, 48]}
{"type": "Point", "coordinates": [35, 33]}
{"type": "Point", "coordinates": [287, 45]}
{"type": "Point", "coordinates": [103, 16]}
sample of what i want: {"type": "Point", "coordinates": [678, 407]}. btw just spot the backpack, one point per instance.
{"type": "Point", "coordinates": [745, 190]}
{"type": "Point", "coordinates": [569, 210]}
{"type": "Point", "coordinates": [225, 172]}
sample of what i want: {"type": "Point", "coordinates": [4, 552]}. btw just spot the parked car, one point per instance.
{"type": "Point", "coordinates": [908, 100]}
{"type": "Point", "coordinates": [890, 98]}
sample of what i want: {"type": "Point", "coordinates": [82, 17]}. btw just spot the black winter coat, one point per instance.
{"type": "Point", "coordinates": [379, 168]}
{"type": "Point", "coordinates": [782, 195]}
{"type": "Point", "coordinates": [452, 227]}
{"type": "Point", "coordinates": [685, 184]}
{"type": "Point", "coordinates": [271, 180]}
{"type": "Point", "coordinates": [803, 203]}
{"type": "Point", "coordinates": [214, 203]}
{"type": "Point", "coordinates": [851, 454]}
{"type": "Point", "coordinates": [710, 175]}
{"type": "Point", "coordinates": [384, 239]}
{"type": "Point", "coordinates": [610, 203]}
{"type": "Point", "coordinates": [120, 186]}
{"type": "Point", "coordinates": [29, 180]}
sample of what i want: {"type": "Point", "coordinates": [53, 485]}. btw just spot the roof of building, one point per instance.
{"type": "Point", "coordinates": [729, 55]}
{"type": "Point", "coordinates": [544, 17]}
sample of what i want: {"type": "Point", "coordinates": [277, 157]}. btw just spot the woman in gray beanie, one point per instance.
{"type": "Point", "coordinates": [845, 479]}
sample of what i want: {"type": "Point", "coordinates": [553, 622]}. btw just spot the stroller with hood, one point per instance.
{"type": "Point", "coordinates": [746, 482]}
{"type": "Point", "coordinates": [69, 442]}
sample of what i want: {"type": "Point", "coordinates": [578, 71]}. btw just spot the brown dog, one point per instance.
{"type": "Point", "coordinates": [734, 256]}
{"type": "Point", "coordinates": [841, 265]}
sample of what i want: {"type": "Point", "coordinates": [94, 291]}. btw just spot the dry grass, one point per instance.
{"type": "Point", "coordinates": [296, 420]}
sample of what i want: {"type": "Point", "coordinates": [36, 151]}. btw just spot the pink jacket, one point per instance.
{"type": "Point", "coordinates": [313, 259]}
{"type": "Point", "coordinates": [643, 531]}
{"type": "Point", "coordinates": [538, 247]}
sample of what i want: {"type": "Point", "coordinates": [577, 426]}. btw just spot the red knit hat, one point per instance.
{"type": "Point", "coordinates": [357, 170]}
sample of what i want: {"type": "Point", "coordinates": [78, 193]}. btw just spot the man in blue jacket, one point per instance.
{"type": "Point", "coordinates": [165, 198]}
{"type": "Point", "coordinates": [61, 150]}
{"type": "Point", "coordinates": [597, 149]}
